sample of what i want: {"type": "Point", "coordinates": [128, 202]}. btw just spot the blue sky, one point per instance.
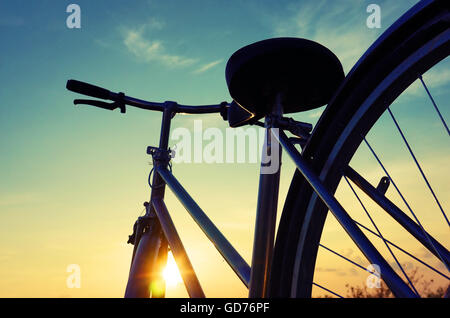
{"type": "Point", "coordinates": [160, 50]}
{"type": "Point", "coordinates": [64, 170]}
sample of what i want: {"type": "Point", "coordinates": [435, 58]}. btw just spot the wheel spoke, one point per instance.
{"type": "Point", "coordinates": [406, 222]}
{"type": "Point", "coordinates": [406, 203]}
{"type": "Point", "coordinates": [434, 104]}
{"type": "Point", "coordinates": [379, 232]}
{"type": "Point", "coordinates": [326, 289]}
{"type": "Point", "coordinates": [346, 258]}
{"type": "Point", "coordinates": [397, 285]}
{"type": "Point", "coordinates": [404, 251]}
{"type": "Point", "coordinates": [418, 165]}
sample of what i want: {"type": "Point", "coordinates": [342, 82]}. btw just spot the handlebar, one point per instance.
{"type": "Point", "coordinates": [120, 100]}
{"type": "Point", "coordinates": [88, 89]}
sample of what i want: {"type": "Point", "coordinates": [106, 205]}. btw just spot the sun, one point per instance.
{"type": "Point", "coordinates": [171, 273]}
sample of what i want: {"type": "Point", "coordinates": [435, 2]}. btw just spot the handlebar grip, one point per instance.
{"type": "Point", "coordinates": [88, 89]}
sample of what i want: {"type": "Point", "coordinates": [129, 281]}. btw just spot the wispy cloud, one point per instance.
{"type": "Point", "coordinates": [436, 79]}
{"type": "Point", "coordinates": [316, 114]}
{"type": "Point", "coordinates": [340, 26]}
{"type": "Point", "coordinates": [207, 66]}
{"type": "Point", "coordinates": [144, 42]}
{"type": "Point", "coordinates": [152, 51]}
{"type": "Point", "coordinates": [155, 23]}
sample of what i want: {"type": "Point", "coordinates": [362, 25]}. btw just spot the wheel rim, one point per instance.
{"type": "Point", "coordinates": [405, 74]}
{"type": "Point", "coordinates": [327, 171]}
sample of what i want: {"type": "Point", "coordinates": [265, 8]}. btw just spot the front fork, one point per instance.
{"type": "Point", "coordinates": [150, 245]}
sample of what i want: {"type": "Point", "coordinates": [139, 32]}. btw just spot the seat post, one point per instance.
{"type": "Point", "coordinates": [266, 212]}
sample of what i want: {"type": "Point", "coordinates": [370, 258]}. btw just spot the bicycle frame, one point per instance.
{"type": "Point", "coordinates": [154, 232]}
{"type": "Point", "coordinates": [156, 229]}
{"type": "Point", "coordinates": [160, 228]}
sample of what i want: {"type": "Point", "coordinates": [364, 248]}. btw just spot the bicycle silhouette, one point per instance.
{"type": "Point", "coordinates": [267, 80]}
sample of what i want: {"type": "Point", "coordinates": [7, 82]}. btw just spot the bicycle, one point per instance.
{"type": "Point", "coordinates": [263, 80]}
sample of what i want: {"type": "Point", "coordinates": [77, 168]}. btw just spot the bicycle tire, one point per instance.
{"type": "Point", "coordinates": [387, 68]}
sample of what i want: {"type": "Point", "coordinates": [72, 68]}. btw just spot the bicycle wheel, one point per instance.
{"type": "Point", "coordinates": [411, 46]}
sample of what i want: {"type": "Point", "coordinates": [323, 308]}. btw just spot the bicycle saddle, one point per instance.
{"type": "Point", "coordinates": [305, 72]}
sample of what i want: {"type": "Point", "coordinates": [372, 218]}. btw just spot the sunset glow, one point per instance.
{"type": "Point", "coordinates": [171, 273]}
{"type": "Point", "coordinates": [73, 179]}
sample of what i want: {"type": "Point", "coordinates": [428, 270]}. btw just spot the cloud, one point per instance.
{"type": "Point", "coordinates": [207, 66]}
{"type": "Point", "coordinates": [436, 79]}
{"type": "Point", "coordinates": [323, 269]}
{"type": "Point", "coordinates": [340, 26]}
{"type": "Point", "coordinates": [316, 114]}
{"type": "Point", "coordinates": [152, 51]}
{"type": "Point", "coordinates": [155, 23]}
{"type": "Point", "coordinates": [338, 272]}
{"type": "Point", "coordinates": [102, 43]}
{"type": "Point", "coordinates": [137, 42]}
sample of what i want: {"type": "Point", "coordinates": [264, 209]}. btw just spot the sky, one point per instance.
{"type": "Point", "coordinates": [73, 180]}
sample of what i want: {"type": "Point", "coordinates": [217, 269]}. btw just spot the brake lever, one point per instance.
{"type": "Point", "coordinates": [109, 106]}
{"type": "Point", "coordinates": [96, 103]}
